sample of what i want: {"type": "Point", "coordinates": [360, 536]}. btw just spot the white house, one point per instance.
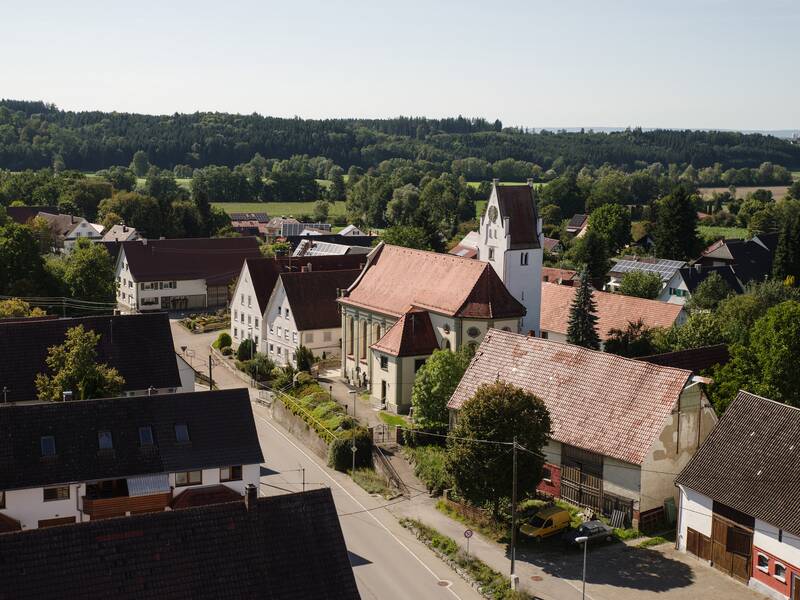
{"type": "Point", "coordinates": [302, 310]}
{"type": "Point", "coordinates": [405, 304]}
{"type": "Point", "coordinates": [257, 279]}
{"type": "Point", "coordinates": [739, 502]}
{"type": "Point", "coordinates": [181, 274]}
{"type": "Point", "coordinates": [510, 241]}
{"type": "Point", "coordinates": [139, 347]}
{"type": "Point", "coordinates": [621, 428]}
{"type": "Point", "coordinates": [67, 229]}
{"type": "Point", "coordinates": [684, 282]}
{"type": "Point", "coordinates": [68, 462]}
{"type": "Point", "coordinates": [352, 230]}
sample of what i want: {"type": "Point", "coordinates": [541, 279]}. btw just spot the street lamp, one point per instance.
{"type": "Point", "coordinates": [585, 541]}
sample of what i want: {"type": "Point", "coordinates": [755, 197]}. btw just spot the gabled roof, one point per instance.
{"type": "Point", "coordinates": [312, 296]}
{"type": "Point", "coordinates": [222, 432]}
{"type": "Point", "coordinates": [282, 547]}
{"type": "Point", "coordinates": [517, 202]}
{"type": "Point", "coordinates": [614, 311]}
{"type": "Point", "coordinates": [696, 274]}
{"type": "Point", "coordinates": [468, 246]}
{"type": "Point", "coordinates": [577, 222]}
{"type": "Point", "coordinates": [550, 244]}
{"type": "Point", "coordinates": [750, 461]}
{"type": "Point", "coordinates": [751, 259]}
{"type": "Point", "coordinates": [411, 335]}
{"type": "Point", "coordinates": [207, 494]}
{"type": "Point", "coordinates": [140, 347]}
{"type": "Point", "coordinates": [351, 230]}
{"type": "Point", "coordinates": [696, 360]}
{"type": "Point", "coordinates": [23, 214]}
{"type": "Point", "coordinates": [561, 276]}
{"type": "Point", "coordinates": [61, 225]}
{"type": "Point", "coordinates": [396, 278]}
{"type": "Point", "coordinates": [662, 267]}
{"type": "Point", "coordinates": [258, 217]}
{"type": "Point", "coordinates": [217, 260]}
{"type": "Point", "coordinates": [264, 272]}
{"type": "Point", "coordinates": [119, 233]}
{"type": "Point", "coordinates": [600, 402]}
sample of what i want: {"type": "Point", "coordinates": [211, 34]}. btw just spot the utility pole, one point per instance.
{"type": "Point", "coordinates": [5, 394]}
{"type": "Point", "coordinates": [514, 509]}
{"type": "Point", "coordinates": [353, 435]}
{"type": "Point", "coordinates": [303, 470]}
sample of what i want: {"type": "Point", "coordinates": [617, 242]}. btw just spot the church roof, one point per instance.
{"type": "Point", "coordinates": [412, 335]}
{"type": "Point", "coordinates": [518, 204]}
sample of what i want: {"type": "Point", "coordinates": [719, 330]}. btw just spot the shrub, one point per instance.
{"type": "Point", "coordinates": [372, 482]}
{"type": "Point", "coordinates": [227, 351]}
{"type": "Point", "coordinates": [260, 367]}
{"type": "Point", "coordinates": [304, 378]}
{"type": "Point", "coordinates": [303, 358]}
{"type": "Point", "coordinates": [283, 376]}
{"type": "Point", "coordinates": [246, 350]}
{"type": "Point", "coordinates": [429, 467]}
{"type": "Point", "coordinates": [223, 341]}
{"type": "Point", "coordinates": [340, 457]}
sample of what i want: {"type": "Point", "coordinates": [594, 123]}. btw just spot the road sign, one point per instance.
{"type": "Point", "coordinates": [468, 533]}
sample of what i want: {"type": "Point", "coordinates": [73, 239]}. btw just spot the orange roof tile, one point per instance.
{"type": "Point", "coordinates": [412, 335]}
{"type": "Point", "coordinates": [396, 278]}
{"type": "Point", "coordinates": [614, 311]}
{"type": "Point", "coordinates": [600, 402]}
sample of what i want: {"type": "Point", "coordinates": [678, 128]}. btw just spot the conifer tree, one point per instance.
{"type": "Point", "coordinates": [676, 226]}
{"type": "Point", "coordinates": [787, 253]}
{"type": "Point", "coordinates": [582, 328]}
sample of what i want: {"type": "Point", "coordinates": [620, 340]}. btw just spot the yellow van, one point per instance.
{"type": "Point", "coordinates": [546, 522]}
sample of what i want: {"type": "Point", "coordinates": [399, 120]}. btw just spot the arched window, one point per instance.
{"type": "Point", "coordinates": [350, 335]}
{"type": "Point", "coordinates": [363, 341]}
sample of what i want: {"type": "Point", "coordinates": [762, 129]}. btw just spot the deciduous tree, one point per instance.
{"type": "Point", "coordinates": [434, 383]}
{"type": "Point", "coordinates": [612, 222]}
{"type": "Point", "coordinates": [641, 284]}
{"type": "Point", "coordinates": [89, 273]}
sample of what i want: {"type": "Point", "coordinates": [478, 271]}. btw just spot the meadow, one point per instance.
{"type": "Point", "coordinates": [778, 191]}
{"type": "Point", "coordinates": [708, 232]}
{"type": "Point", "coordinates": [278, 209]}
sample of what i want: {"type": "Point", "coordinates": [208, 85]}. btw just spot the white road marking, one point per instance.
{"type": "Point", "coordinates": [367, 511]}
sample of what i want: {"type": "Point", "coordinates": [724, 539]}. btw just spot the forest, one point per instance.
{"type": "Point", "coordinates": [36, 135]}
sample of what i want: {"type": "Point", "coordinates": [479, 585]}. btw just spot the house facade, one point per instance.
{"type": "Point", "coordinates": [139, 347]}
{"type": "Point", "coordinates": [180, 274]}
{"type": "Point", "coordinates": [461, 298]}
{"type": "Point", "coordinates": [621, 428]}
{"type": "Point", "coordinates": [510, 241]}
{"type": "Point", "coordinates": [69, 462]}
{"type": "Point", "coordinates": [739, 506]}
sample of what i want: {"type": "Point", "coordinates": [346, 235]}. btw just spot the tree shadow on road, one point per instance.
{"type": "Point", "coordinates": [614, 565]}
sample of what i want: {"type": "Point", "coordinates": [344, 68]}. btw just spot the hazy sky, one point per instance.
{"type": "Point", "coordinates": [698, 64]}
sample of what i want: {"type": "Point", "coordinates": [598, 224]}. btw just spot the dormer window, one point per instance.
{"type": "Point", "coordinates": [146, 436]}
{"type": "Point", "coordinates": [104, 440]}
{"type": "Point", "coordinates": [181, 433]}
{"type": "Point", "coordinates": [48, 445]}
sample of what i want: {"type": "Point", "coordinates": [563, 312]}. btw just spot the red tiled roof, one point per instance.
{"type": "Point", "coordinates": [600, 402]}
{"type": "Point", "coordinates": [556, 275]}
{"type": "Point", "coordinates": [312, 296]}
{"type": "Point", "coordinates": [411, 335]}
{"type": "Point", "coordinates": [397, 277]}
{"type": "Point", "coordinates": [550, 243]}
{"type": "Point", "coordinates": [614, 311]}
{"type": "Point", "coordinates": [217, 260]}
{"type": "Point", "coordinates": [212, 494]}
{"type": "Point", "coordinates": [518, 204]}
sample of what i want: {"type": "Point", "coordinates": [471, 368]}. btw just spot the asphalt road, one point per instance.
{"type": "Point", "coordinates": [388, 562]}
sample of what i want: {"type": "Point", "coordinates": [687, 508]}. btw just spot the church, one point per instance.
{"type": "Point", "coordinates": [407, 303]}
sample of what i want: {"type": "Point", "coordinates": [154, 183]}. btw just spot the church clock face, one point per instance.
{"type": "Point", "coordinates": [492, 213]}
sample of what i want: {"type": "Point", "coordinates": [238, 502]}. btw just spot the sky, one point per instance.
{"type": "Point", "coordinates": [681, 64]}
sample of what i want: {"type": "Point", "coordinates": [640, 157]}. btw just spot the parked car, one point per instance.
{"type": "Point", "coordinates": [546, 522]}
{"type": "Point", "coordinates": [596, 531]}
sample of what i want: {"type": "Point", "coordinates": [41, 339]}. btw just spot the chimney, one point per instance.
{"type": "Point", "coordinates": [66, 396]}
{"type": "Point", "coordinates": [250, 496]}
{"type": "Point", "coordinates": [144, 241]}
{"type": "Point", "coordinates": [308, 268]}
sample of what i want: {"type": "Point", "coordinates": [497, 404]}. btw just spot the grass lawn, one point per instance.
{"type": "Point", "coordinates": [276, 209]}
{"type": "Point", "coordinates": [185, 182]}
{"type": "Point", "coordinates": [707, 232]}
{"type": "Point", "coordinates": [372, 482]}
{"type": "Point", "coordinates": [393, 420]}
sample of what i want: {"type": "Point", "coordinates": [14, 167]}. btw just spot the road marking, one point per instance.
{"type": "Point", "coordinates": [366, 510]}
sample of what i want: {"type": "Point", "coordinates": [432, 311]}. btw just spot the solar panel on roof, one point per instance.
{"type": "Point", "coordinates": [663, 267]}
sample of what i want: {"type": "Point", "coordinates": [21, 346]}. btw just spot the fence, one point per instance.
{"type": "Point", "coordinates": [326, 434]}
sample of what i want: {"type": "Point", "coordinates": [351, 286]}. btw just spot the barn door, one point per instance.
{"type": "Point", "coordinates": [731, 548]}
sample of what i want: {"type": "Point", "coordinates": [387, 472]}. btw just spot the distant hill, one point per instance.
{"type": "Point", "coordinates": [34, 134]}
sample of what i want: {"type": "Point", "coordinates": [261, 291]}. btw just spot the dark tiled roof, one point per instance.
{"type": "Point", "coordinates": [260, 217]}
{"type": "Point", "coordinates": [312, 296]}
{"type": "Point", "coordinates": [264, 272]}
{"type": "Point", "coordinates": [695, 275]}
{"type": "Point", "coordinates": [517, 202]}
{"type": "Point", "coordinates": [111, 247]}
{"type": "Point", "coordinates": [598, 401]}
{"type": "Point", "coordinates": [217, 260]}
{"type": "Point", "coordinates": [139, 346]}
{"type": "Point", "coordinates": [220, 423]}
{"type": "Point", "coordinates": [286, 547]}
{"type": "Point", "coordinates": [577, 222]}
{"type": "Point", "coordinates": [696, 360]}
{"type": "Point", "coordinates": [23, 214]}
{"type": "Point", "coordinates": [750, 461]}
{"type": "Point", "coordinates": [750, 260]}
{"type": "Point", "coordinates": [411, 335]}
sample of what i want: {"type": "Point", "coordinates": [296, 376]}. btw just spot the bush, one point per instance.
{"type": "Point", "coordinates": [283, 376]}
{"type": "Point", "coordinates": [227, 351]}
{"type": "Point", "coordinates": [223, 341]}
{"type": "Point", "coordinates": [260, 367]}
{"type": "Point", "coordinates": [340, 457]}
{"type": "Point", "coordinates": [429, 467]}
{"type": "Point", "coordinates": [303, 358]}
{"type": "Point", "coordinates": [246, 350]}
{"type": "Point", "coordinates": [372, 482]}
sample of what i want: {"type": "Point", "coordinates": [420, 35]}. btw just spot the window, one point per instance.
{"type": "Point", "coordinates": [130, 284]}
{"type": "Point", "coordinates": [309, 337]}
{"type": "Point", "coordinates": [544, 335]}
{"type": "Point", "coordinates": [326, 336]}
{"type": "Point", "coordinates": [547, 475]}
{"type": "Point", "coordinates": [145, 436]}
{"type": "Point", "coordinates": [279, 311]}
{"type": "Point", "coordinates": [48, 444]}
{"type": "Point", "coordinates": [286, 314]}
{"type": "Point", "coordinates": [230, 473]}
{"type": "Point", "coordinates": [181, 432]}
{"type": "Point", "coordinates": [188, 478]}
{"type": "Point", "coordinates": [235, 332]}
{"type": "Point", "coordinates": [249, 319]}
{"type": "Point", "coordinates": [104, 440]}
{"type": "Point", "coordinates": [418, 364]}
{"type": "Point", "coordinates": [763, 563]}
{"type": "Point", "coordinates": [242, 300]}
{"type": "Point", "coordinates": [271, 349]}
{"type": "Point", "coordinates": [242, 315]}
{"type": "Point", "coordinates": [256, 321]}
{"type": "Point", "coordinates": [523, 259]}
{"type": "Point", "coordinates": [52, 494]}
{"type": "Point", "coordinates": [235, 314]}
{"type": "Point", "coordinates": [286, 334]}
{"type": "Point", "coordinates": [491, 253]}
{"type": "Point", "coordinates": [255, 339]}
{"type": "Point", "coordinates": [294, 337]}
{"type": "Point", "coordinates": [780, 572]}
{"type": "Point", "coordinates": [271, 328]}
{"type": "Point", "coordinates": [385, 363]}
{"type": "Point", "coordinates": [278, 331]}
{"type": "Point", "coordinates": [249, 301]}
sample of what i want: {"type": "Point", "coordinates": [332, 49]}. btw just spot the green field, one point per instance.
{"type": "Point", "coordinates": [475, 184]}
{"type": "Point", "coordinates": [707, 232]}
{"type": "Point", "coordinates": [796, 174]}
{"type": "Point", "coordinates": [278, 209]}
{"type": "Point", "coordinates": [185, 183]}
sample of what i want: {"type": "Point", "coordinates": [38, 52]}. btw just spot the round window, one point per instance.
{"type": "Point", "coordinates": [473, 332]}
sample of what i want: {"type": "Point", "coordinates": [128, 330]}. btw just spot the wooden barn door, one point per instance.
{"type": "Point", "coordinates": [731, 548]}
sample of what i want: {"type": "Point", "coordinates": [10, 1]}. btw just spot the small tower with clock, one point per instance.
{"type": "Point", "coordinates": [511, 241]}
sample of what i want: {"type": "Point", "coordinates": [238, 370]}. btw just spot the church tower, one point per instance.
{"type": "Point", "coordinates": [511, 241]}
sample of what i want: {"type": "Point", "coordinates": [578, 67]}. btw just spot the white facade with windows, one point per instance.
{"type": "Point", "coordinates": [247, 322]}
